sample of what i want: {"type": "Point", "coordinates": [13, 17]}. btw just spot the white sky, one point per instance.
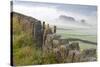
{"type": "Point", "coordinates": [50, 12]}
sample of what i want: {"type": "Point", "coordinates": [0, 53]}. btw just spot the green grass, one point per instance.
{"type": "Point", "coordinates": [24, 48]}
{"type": "Point", "coordinates": [86, 46]}
{"type": "Point", "coordinates": [25, 51]}
{"type": "Point", "coordinates": [79, 35]}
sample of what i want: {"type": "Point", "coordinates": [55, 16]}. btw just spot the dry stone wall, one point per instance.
{"type": "Point", "coordinates": [47, 39]}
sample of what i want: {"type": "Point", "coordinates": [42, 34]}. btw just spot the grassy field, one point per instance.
{"type": "Point", "coordinates": [76, 34]}
{"type": "Point", "coordinates": [86, 46]}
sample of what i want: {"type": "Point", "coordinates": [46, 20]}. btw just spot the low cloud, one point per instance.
{"type": "Point", "coordinates": [50, 15]}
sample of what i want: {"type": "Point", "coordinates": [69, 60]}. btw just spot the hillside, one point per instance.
{"type": "Point", "coordinates": [35, 43]}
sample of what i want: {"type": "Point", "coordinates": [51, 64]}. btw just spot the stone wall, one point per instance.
{"type": "Point", "coordinates": [47, 39]}
{"type": "Point", "coordinates": [66, 51]}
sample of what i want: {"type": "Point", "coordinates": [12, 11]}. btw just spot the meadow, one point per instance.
{"type": "Point", "coordinates": [74, 33]}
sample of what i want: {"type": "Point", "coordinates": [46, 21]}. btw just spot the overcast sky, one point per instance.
{"type": "Point", "coordinates": [50, 11]}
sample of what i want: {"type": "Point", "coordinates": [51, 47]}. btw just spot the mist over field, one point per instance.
{"type": "Point", "coordinates": [81, 19]}
{"type": "Point", "coordinates": [53, 12]}
{"type": "Point", "coordinates": [69, 33]}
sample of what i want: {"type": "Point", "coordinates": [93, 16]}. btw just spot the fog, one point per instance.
{"type": "Point", "coordinates": [50, 14]}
